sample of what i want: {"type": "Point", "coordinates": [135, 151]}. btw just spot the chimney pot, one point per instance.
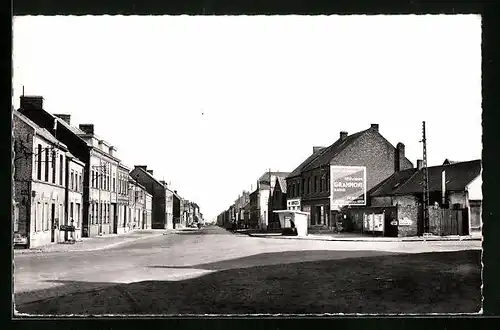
{"type": "Point", "coordinates": [399, 156]}
{"type": "Point", "coordinates": [65, 117]}
{"type": "Point", "coordinates": [87, 128]}
{"type": "Point", "coordinates": [374, 127]}
{"type": "Point", "coordinates": [343, 135]}
{"type": "Point", "coordinates": [31, 102]}
{"type": "Point", "coordinates": [420, 164]}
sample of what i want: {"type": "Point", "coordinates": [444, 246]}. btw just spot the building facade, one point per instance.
{"type": "Point", "coordinates": [278, 202]}
{"type": "Point", "coordinates": [309, 185]}
{"type": "Point", "coordinates": [162, 200]}
{"type": "Point", "coordinates": [47, 186]}
{"type": "Point", "coordinates": [99, 191]}
{"type": "Point", "coordinates": [74, 198]}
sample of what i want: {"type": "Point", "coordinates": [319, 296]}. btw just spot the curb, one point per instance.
{"type": "Point", "coordinates": [366, 240]}
{"type": "Point", "coordinates": [29, 252]}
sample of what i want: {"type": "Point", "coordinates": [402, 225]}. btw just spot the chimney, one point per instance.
{"type": "Point", "coordinates": [343, 135]}
{"type": "Point", "coordinates": [150, 171]}
{"type": "Point", "coordinates": [175, 191]}
{"type": "Point", "coordinates": [163, 182]}
{"type": "Point", "coordinates": [142, 167]}
{"type": "Point", "coordinates": [87, 128]}
{"type": "Point", "coordinates": [399, 156]}
{"type": "Point", "coordinates": [65, 117]}
{"type": "Point", "coordinates": [374, 127]}
{"type": "Point", "coordinates": [316, 149]}
{"type": "Point", "coordinates": [420, 164]}
{"type": "Point", "coordinates": [31, 102]}
{"type": "Point", "coordinates": [112, 151]}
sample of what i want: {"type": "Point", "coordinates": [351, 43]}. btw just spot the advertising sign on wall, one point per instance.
{"type": "Point", "coordinates": [293, 204]}
{"type": "Point", "coordinates": [348, 185]}
{"type": "Point", "coordinates": [373, 222]}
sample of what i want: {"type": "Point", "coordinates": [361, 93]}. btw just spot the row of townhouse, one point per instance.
{"type": "Point", "coordinates": [253, 209]}
{"type": "Point", "coordinates": [69, 183]}
{"type": "Point", "coordinates": [363, 183]}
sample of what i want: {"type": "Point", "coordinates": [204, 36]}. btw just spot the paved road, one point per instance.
{"type": "Point", "coordinates": [184, 255]}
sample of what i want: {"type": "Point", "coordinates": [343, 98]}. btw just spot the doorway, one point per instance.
{"type": "Point", "coordinates": [52, 222]}
{"type": "Point", "coordinates": [115, 218]}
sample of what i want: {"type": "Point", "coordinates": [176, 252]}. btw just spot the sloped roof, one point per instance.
{"type": "Point", "coordinates": [392, 183]}
{"type": "Point", "coordinates": [330, 152]}
{"type": "Point", "coordinates": [282, 184]}
{"type": "Point", "coordinates": [309, 159]}
{"type": "Point", "coordinates": [266, 176]}
{"type": "Point", "coordinates": [458, 176]}
{"type": "Point", "coordinates": [39, 130]}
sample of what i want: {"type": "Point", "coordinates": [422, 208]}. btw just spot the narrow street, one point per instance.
{"type": "Point", "coordinates": [48, 280]}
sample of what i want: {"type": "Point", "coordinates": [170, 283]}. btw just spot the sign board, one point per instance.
{"type": "Point", "coordinates": [405, 222]}
{"type": "Point", "coordinates": [373, 222]}
{"type": "Point", "coordinates": [394, 223]}
{"type": "Point", "coordinates": [293, 204]}
{"type": "Point", "coordinates": [347, 185]}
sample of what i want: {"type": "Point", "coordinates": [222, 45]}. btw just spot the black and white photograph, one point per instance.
{"type": "Point", "coordinates": [246, 165]}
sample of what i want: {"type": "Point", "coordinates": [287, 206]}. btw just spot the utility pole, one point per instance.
{"type": "Point", "coordinates": [426, 181]}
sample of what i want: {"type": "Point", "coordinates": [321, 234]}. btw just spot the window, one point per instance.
{"type": "Point", "coordinates": [92, 184]}
{"type": "Point", "coordinates": [72, 180]}
{"type": "Point", "coordinates": [47, 164]}
{"type": "Point", "coordinates": [327, 183]}
{"type": "Point", "coordinates": [114, 184]}
{"type": "Point", "coordinates": [54, 166]}
{"type": "Point", "coordinates": [76, 181]}
{"type": "Point", "coordinates": [61, 170]}
{"type": "Point", "coordinates": [71, 212]}
{"type": "Point", "coordinates": [302, 186]}
{"type": "Point", "coordinates": [39, 165]}
{"type": "Point", "coordinates": [107, 182]}
{"type": "Point", "coordinates": [80, 182]}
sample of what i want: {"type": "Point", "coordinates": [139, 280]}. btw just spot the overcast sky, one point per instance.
{"type": "Point", "coordinates": [269, 88]}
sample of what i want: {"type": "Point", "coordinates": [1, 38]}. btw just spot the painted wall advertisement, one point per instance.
{"type": "Point", "coordinates": [348, 185]}
{"type": "Point", "coordinates": [373, 222]}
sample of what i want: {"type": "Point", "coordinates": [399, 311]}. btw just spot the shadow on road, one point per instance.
{"type": "Point", "coordinates": [274, 258]}
{"type": "Point", "coordinates": [443, 282]}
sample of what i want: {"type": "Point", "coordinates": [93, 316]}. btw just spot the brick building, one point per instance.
{"type": "Point", "coordinates": [310, 183]}
{"type": "Point", "coordinates": [453, 185]}
{"type": "Point", "coordinates": [101, 163]}
{"type": "Point", "coordinates": [162, 198]}
{"type": "Point", "coordinates": [47, 185]}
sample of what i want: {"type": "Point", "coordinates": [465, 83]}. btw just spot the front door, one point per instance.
{"type": "Point", "coordinates": [52, 222]}
{"type": "Point", "coordinates": [115, 219]}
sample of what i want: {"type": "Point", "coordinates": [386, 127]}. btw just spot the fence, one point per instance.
{"type": "Point", "coordinates": [445, 222]}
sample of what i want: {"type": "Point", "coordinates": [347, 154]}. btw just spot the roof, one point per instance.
{"type": "Point", "coordinates": [309, 159]}
{"type": "Point", "coordinates": [327, 154]}
{"type": "Point", "coordinates": [265, 177]}
{"type": "Point", "coordinates": [150, 176]}
{"type": "Point", "coordinates": [282, 184]}
{"type": "Point", "coordinates": [409, 182]}
{"type": "Point", "coordinates": [39, 130]}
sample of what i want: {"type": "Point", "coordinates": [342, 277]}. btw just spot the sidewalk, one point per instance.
{"type": "Point", "coordinates": [366, 238]}
{"type": "Point", "coordinates": [94, 243]}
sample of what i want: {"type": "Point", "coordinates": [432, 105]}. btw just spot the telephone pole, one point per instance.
{"type": "Point", "coordinates": [426, 182]}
